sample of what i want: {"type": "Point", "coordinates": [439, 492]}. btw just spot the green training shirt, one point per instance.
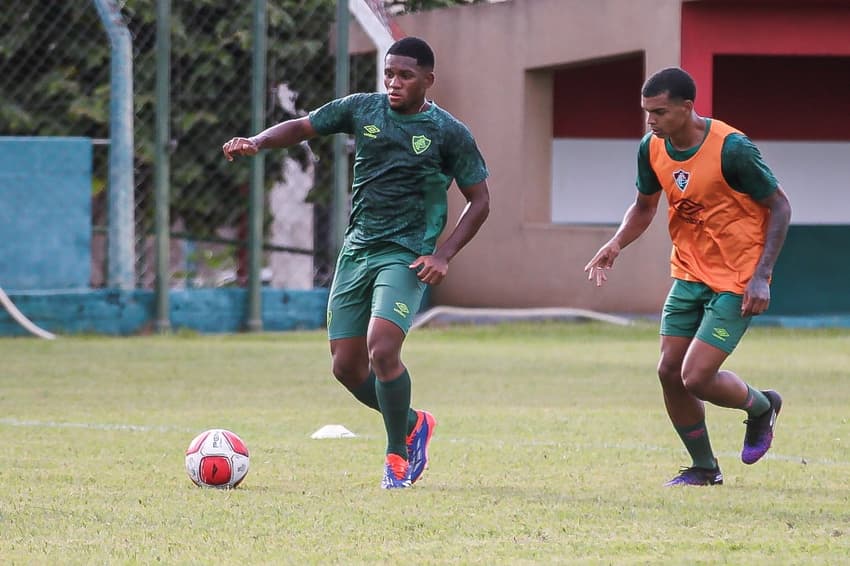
{"type": "Point", "coordinates": [403, 167]}
{"type": "Point", "coordinates": [740, 161]}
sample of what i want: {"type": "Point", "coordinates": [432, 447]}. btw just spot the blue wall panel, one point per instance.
{"type": "Point", "coordinates": [45, 213]}
{"type": "Point", "coordinates": [117, 312]}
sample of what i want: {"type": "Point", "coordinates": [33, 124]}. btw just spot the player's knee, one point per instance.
{"type": "Point", "coordinates": [384, 358]}
{"type": "Point", "coordinates": [670, 374]}
{"type": "Point", "coordinates": [348, 371]}
{"type": "Point", "coordinates": [696, 383]}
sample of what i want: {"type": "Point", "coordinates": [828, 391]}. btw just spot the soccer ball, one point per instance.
{"type": "Point", "coordinates": [217, 458]}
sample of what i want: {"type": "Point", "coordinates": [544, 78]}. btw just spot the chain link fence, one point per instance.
{"type": "Point", "coordinates": [55, 81]}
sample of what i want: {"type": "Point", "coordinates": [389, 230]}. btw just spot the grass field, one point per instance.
{"type": "Point", "coordinates": [552, 446]}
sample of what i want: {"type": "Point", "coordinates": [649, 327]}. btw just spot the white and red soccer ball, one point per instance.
{"type": "Point", "coordinates": [217, 458]}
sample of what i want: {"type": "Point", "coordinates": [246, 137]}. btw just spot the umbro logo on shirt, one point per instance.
{"type": "Point", "coordinates": [371, 131]}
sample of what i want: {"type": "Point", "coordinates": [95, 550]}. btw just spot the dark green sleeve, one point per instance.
{"type": "Point", "coordinates": [744, 169]}
{"type": "Point", "coordinates": [647, 182]}
{"type": "Point", "coordinates": [463, 159]}
{"type": "Point", "coordinates": [335, 117]}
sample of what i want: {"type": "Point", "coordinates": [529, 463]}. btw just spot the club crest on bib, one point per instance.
{"type": "Point", "coordinates": [420, 144]}
{"type": "Point", "coordinates": [681, 177]}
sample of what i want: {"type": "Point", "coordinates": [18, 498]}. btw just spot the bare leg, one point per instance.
{"type": "Point", "coordinates": [686, 411]}
{"type": "Point", "coordinates": [351, 368]}
{"type": "Point", "coordinates": [703, 378]}
{"type": "Point", "coordinates": [683, 407]}
{"type": "Point", "coordinates": [384, 341]}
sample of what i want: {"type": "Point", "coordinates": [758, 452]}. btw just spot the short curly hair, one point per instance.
{"type": "Point", "coordinates": [416, 48]}
{"type": "Point", "coordinates": [676, 82]}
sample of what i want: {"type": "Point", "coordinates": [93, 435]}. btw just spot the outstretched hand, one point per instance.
{"type": "Point", "coordinates": [430, 269]}
{"type": "Point", "coordinates": [239, 146]}
{"type": "Point", "coordinates": [604, 259]}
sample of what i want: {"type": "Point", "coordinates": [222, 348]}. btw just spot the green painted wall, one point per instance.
{"type": "Point", "coordinates": [812, 276]}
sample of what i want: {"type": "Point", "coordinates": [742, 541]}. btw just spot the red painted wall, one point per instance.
{"type": "Point", "coordinates": [784, 97]}
{"type": "Point", "coordinates": [758, 28]}
{"type": "Point", "coordinates": [599, 99]}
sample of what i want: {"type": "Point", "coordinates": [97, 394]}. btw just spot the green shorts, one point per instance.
{"type": "Point", "coordinates": [373, 282]}
{"type": "Point", "coordinates": [693, 310]}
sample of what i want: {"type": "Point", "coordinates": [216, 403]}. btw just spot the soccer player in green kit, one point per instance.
{"type": "Point", "coordinates": [408, 151]}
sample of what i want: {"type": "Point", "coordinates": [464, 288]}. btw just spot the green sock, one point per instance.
{"type": "Point", "coordinates": [756, 404]}
{"type": "Point", "coordinates": [367, 394]}
{"type": "Point", "coordinates": [394, 399]}
{"type": "Point", "coordinates": [695, 438]}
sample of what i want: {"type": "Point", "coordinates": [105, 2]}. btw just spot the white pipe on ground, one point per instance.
{"type": "Point", "coordinates": [19, 317]}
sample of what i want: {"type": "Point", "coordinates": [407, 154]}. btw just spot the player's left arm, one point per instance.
{"type": "Point", "coordinates": [757, 293]}
{"type": "Point", "coordinates": [746, 171]}
{"type": "Point", "coordinates": [433, 268]}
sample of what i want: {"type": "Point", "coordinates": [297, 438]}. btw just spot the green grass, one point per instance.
{"type": "Point", "coordinates": [552, 447]}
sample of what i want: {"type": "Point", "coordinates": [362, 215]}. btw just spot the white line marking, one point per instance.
{"type": "Point", "coordinates": [92, 426]}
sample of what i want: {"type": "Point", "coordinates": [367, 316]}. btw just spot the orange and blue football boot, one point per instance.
{"type": "Point", "coordinates": [396, 472]}
{"type": "Point", "coordinates": [417, 443]}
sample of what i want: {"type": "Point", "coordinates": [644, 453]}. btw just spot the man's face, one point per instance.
{"type": "Point", "coordinates": [664, 116]}
{"type": "Point", "coordinates": [406, 83]}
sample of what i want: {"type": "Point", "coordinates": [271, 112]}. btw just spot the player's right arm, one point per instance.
{"type": "Point", "coordinates": [637, 219]}
{"type": "Point", "coordinates": [284, 134]}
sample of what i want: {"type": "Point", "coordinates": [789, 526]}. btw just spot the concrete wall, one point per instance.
{"type": "Point", "coordinates": [115, 312]}
{"type": "Point", "coordinates": [45, 212]}
{"type": "Point", "coordinates": [563, 169]}
{"type": "Point", "coordinates": [495, 66]}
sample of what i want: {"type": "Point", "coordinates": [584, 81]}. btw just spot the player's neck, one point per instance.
{"type": "Point", "coordinates": [691, 135]}
{"type": "Point", "coordinates": [415, 108]}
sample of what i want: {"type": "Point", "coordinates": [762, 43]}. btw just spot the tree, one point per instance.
{"type": "Point", "coordinates": [55, 58]}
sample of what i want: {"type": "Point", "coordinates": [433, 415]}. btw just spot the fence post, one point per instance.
{"type": "Point", "coordinates": [162, 165]}
{"type": "Point", "coordinates": [120, 252]}
{"type": "Point", "coordinates": [257, 194]}
{"type": "Point", "coordinates": [340, 194]}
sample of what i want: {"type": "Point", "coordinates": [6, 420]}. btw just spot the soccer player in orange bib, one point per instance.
{"type": "Point", "coordinates": [728, 218]}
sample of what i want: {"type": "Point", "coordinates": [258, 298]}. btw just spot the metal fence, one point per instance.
{"type": "Point", "coordinates": [55, 81]}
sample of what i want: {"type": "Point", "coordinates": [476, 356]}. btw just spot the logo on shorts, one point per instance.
{"type": "Point", "coordinates": [681, 177]}
{"type": "Point", "coordinates": [371, 131]}
{"type": "Point", "coordinates": [721, 334]}
{"type": "Point", "coordinates": [330, 317]}
{"type": "Point", "coordinates": [402, 309]}
{"type": "Point", "coordinates": [420, 144]}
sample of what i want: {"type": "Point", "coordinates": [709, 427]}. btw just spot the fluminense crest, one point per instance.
{"type": "Point", "coordinates": [420, 144]}
{"type": "Point", "coordinates": [681, 177]}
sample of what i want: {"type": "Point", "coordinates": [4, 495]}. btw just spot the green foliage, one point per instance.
{"type": "Point", "coordinates": [404, 6]}
{"type": "Point", "coordinates": [56, 57]}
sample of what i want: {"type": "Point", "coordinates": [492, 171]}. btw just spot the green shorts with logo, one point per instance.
{"type": "Point", "coordinates": [373, 282]}
{"type": "Point", "coordinates": [692, 309]}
